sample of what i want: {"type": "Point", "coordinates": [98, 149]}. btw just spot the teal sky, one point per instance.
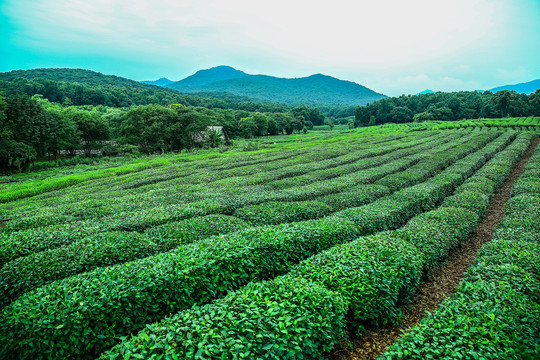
{"type": "Point", "coordinates": [394, 47]}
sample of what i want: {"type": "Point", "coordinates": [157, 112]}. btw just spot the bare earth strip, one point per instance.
{"type": "Point", "coordinates": [373, 341]}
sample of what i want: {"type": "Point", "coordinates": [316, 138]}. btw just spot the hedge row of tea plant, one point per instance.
{"type": "Point", "coordinates": [143, 291]}
{"type": "Point", "coordinates": [393, 211]}
{"type": "Point", "coordinates": [96, 307]}
{"type": "Point", "coordinates": [104, 249]}
{"type": "Point", "coordinates": [369, 276]}
{"type": "Point", "coordinates": [63, 213]}
{"type": "Point", "coordinates": [269, 257]}
{"type": "Point", "coordinates": [19, 243]}
{"type": "Point", "coordinates": [373, 274]}
{"type": "Point", "coordinates": [287, 318]}
{"type": "Point", "coordinates": [495, 312]}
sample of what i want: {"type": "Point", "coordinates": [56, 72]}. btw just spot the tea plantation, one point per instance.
{"type": "Point", "coordinates": [272, 253]}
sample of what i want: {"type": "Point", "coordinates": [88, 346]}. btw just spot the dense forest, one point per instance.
{"type": "Point", "coordinates": [85, 87]}
{"type": "Point", "coordinates": [448, 106]}
{"type": "Point", "coordinates": [34, 127]}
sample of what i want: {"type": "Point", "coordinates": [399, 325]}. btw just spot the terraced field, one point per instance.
{"type": "Point", "coordinates": [275, 253]}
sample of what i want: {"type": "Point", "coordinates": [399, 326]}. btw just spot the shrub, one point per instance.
{"type": "Point", "coordinates": [277, 212]}
{"type": "Point", "coordinates": [27, 273]}
{"type": "Point", "coordinates": [97, 307]}
{"type": "Point", "coordinates": [173, 234]}
{"type": "Point", "coordinates": [484, 320]}
{"type": "Point", "coordinates": [435, 233]}
{"type": "Point", "coordinates": [524, 254]}
{"type": "Point", "coordinates": [471, 200]}
{"type": "Point", "coordinates": [372, 273]}
{"type": "Point", "coordinates": [26, 242]}
{"type": "Point", "coordinates": [383, 214]}
{"type": "Point", "coordinates": [358, 196]}
{"type": "Point", "coordinates": [284, 318]}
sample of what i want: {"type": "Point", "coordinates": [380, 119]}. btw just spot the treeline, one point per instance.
{"type": "Point", "coordinates": [33, 127]}
{"type": "Point", "coordinates": [85, 87]}
{"type": "Point", "coordinates": [78, 94]}
{"type": "Point", "coordinates": [448, 106]}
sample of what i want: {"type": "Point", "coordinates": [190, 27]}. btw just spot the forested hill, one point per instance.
{"type": "Point", "coordinates": [312, 90]}
{"type": "Point", "coordinates": [86, 87]}
{"type": "Point", "coordinates": [525, 88]}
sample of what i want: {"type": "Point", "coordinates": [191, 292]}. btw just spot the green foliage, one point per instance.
{"type": "Point", "coordinates": [437, 232]}
{"type": "Point", "coordinates": [475, 201]}
{"type": "Point", "coordinates": [27, 273]}
{"type": "Point", "coordinates": [284, 318]}
{"type": "Point", "coordinates": [277, 212]}
{"type": "Point", "coordinates": [146, 290]}
{"type": "Point", "coordinates": [16, 155]}
{"type": "Point", "coordinates": [483, 320]}
{"type": "Point", "coordinates": [372, 273]}
{"type": "Point", "coordinates": [173, 234]}
{"type": "Point", "coordinates": [445, 107]}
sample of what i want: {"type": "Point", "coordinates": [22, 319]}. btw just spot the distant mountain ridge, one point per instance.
{"type": "Point", "coordinates": [311, 90]}
{"type": "Point", "coordinates": [160, 82]}
{"type": "Point", "coordinates": [427, 91]}
{"type": "Point", "coordinates": [526, 88]}
{"type": "Point", "coordinates": [204, 77]}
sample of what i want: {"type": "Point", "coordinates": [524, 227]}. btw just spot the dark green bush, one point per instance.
{"type": "Point", "coordinates": [483, 320]}
{"type": "Point", "coordinates": [384, 214]}
{"type": "Point", "coordinates": [435, 233]}
{"type": "Point", "coordinates": [524, 254]}
{"type": "Point", "coordinates": [478, 183]}
{"type": "Point", "coordinates": [471, 200]}
{"type": "Point", "coordinates": [284, 318]}
{"type": "Point", "coordinates": [372, 273]}
{"type": "Point", "coordinates": [278, 212]}
{"type": "Point", "coordinates": [173, 234]}
{"type": "Point", "coordinates": [97, 307]}
{"type": "Point", "coordinates": [26, 242]}
{"type": "Point", "coordinates": [361, 195]}
{"type": "Point", "coordinates": [27, 273]}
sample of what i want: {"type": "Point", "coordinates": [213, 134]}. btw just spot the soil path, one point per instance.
{"type": "Point", "coordinates": [373, 341]}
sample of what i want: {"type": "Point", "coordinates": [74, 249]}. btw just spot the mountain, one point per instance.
{"type": "Point", "coordinates": [160, 82]}
{"type": "Point", "coordinates": [87, 87]}
{"type": "Point", "coordinates": [311, 90]}
{"type": "Point", "coordinates": [204, 77]}
{"type": "Point", "coordinates": [80, 76]}
{"type": "Point", "coordinates": [427, 91]}
{"type": "Point", "coordinates": [527, 88]}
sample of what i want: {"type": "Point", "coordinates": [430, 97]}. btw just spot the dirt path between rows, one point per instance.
{"type": "Point", "coordinates": [373, 341]}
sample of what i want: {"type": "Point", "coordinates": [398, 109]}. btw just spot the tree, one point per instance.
{"type": "Point", "coordinates": [92, 128]}
{"type": "Point", "coordinates": [423, 116]}
{"type": "Point", "coordinates": [314, 115]}
{"type": "Point", "coordinates": [17, 155]}
{"type": "Point", "coordinates": [506, 102]}
{"type": "Point", "coordinates": [248, 127]}
{"type": "Point", "coordinates": [401, 114]}
{"type": "Point", "coordinates": [534, 102]}
{"type": "Point", "coordinates": [5, 131]}
{"type": "Point", "coordinates": [148, 127]}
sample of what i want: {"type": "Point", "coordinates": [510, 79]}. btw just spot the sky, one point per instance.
{"type": "Point", "coordinates": [391, 46]}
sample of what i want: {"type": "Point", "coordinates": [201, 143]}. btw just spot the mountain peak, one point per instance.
{"type": "Point", "coordinates": [314, 89]}
{"type": "Point", "coordinates": [207, 76]}
{"type": "Point", "coordinates": [159, 82]}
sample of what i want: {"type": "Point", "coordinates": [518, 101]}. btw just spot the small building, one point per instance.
{"type": "Point", "coordinates": [207, 135]}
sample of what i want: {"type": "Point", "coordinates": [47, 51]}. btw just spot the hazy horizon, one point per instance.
{"type": "Point", "coordinates": [392, 48]}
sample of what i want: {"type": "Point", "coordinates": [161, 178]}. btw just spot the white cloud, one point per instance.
{"type": "Point", "coordinates": [375, 41]}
